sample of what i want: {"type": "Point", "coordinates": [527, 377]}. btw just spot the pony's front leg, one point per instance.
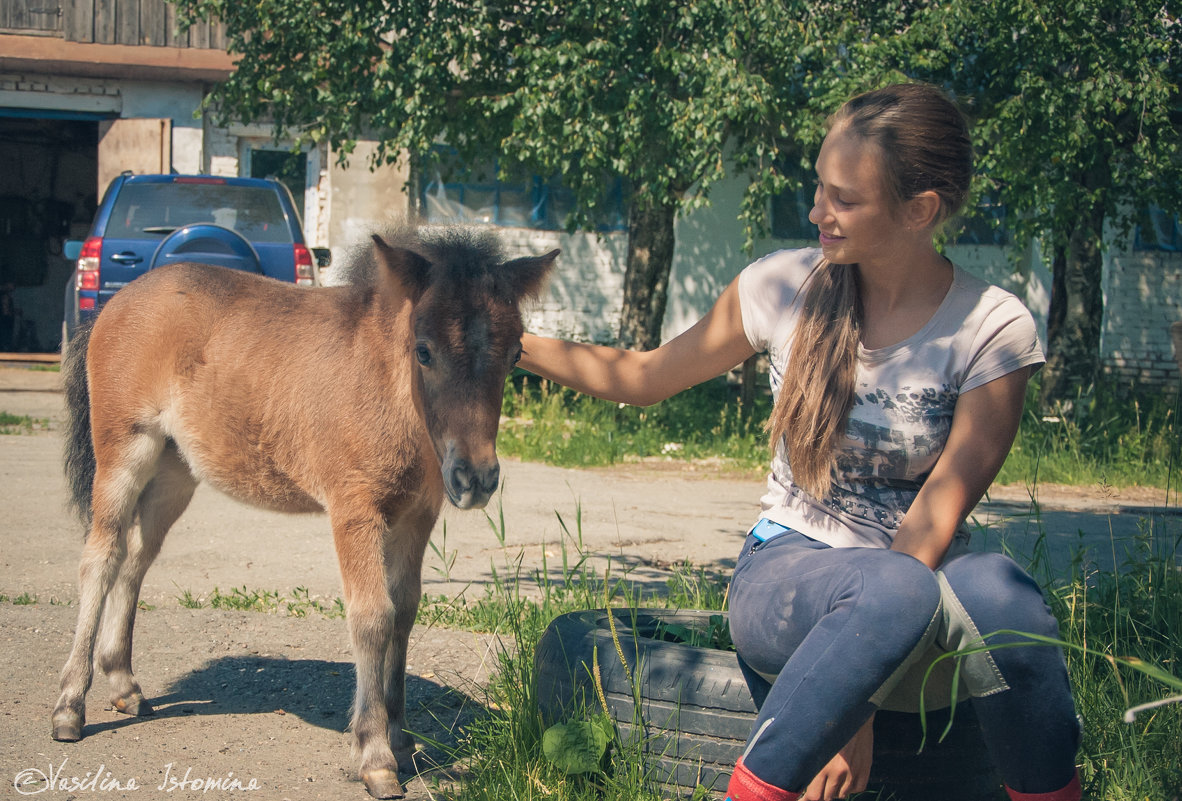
{"type": "Point", "coordinates": [404, 566]}
{"type": "Point", "coordinates": [370, 615]}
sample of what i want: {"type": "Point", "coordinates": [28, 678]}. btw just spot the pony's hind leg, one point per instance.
{"type": "Point", "coordinates": [163, 500]}
{"type": "Point", "coordinates": [117, 487]}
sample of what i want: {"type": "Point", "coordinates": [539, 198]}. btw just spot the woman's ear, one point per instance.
{"type": "Point", "coordinates": [922, 211]}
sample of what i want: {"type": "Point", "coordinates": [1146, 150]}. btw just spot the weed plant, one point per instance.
{"type": "Point", "coordinates": [1108, 434]}
{"type": "Point", "coordinates": [1133, 615]}
{"type": "Point", "coordinates": [1128, 617]}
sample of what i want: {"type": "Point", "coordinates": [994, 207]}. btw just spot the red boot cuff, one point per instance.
{"type": "Point", "coordinates": [746, 786]}
{"type": "Point", "coordinates": [1072, 792]}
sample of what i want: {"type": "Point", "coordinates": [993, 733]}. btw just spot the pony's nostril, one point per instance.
{"type": "Point", "coordinates": [461, 475]}
{"type": "Point", "coordinates": [491, 479]}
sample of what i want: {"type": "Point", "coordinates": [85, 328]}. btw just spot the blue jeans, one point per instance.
{"type": "Point", "coordinates": [823, 633]}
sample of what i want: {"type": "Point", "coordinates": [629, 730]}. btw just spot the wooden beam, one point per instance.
{"type": "Point", "coordinates": [47, 55]}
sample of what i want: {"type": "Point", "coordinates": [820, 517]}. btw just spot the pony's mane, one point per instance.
{"type": "Point", "coordinates": [457, 253]}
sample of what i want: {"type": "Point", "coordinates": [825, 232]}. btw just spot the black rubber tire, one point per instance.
{"type": "Point", "coordinates": [692, 712]}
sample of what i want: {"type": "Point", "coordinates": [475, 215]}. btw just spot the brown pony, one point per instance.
{"type": "Point", "coordinates": [371, 401]}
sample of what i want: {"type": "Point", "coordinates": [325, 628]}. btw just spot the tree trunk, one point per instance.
{"type": "Point", "coordinates": [1077, 308]}
{"type": "Point", "coordinates": [646, 279]}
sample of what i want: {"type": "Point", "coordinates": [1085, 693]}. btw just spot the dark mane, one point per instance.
{"type": "Point", "coordinates": [457, 254]}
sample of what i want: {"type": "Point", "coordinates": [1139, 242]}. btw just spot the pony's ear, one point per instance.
{"type": "Point", "coordinates": [405, 268]}
{"type": "Point", "coordinates": [527, 275]}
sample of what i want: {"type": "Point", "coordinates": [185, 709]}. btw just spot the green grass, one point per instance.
{"type": "Point", "coordinates": [242, 599]}
{"type": "Point", "coordinates": [21, 423]}
{"type": "Point", "coordinates": [1108, 435]}
{"type": "Point", "coordinates": [546, 423]}
{"type": "Point", "coordinates": [1134, 615]}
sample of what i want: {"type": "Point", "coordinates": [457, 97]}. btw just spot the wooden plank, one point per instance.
{"type": "Point", "coordinates": [30, 358]}
{"type": "Point", "coordinates": [78, 24]}
{"type": "Point", "coordinates": [127, 22]}
{"type": "Point", "coordinates": [217, 35]}
{"type": "Point", "coordinates": [199, 35]}
{"type": "Point", "coordinates": [152, 15]}
{"type": "Point", "coordinates": [139, 145]}
{"type": "Point", "coordinates": [104, 21]}
{"type": "Point", "coordinates": [172, 35]}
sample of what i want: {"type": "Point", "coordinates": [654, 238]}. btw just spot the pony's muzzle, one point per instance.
{"type": "Point", "coordinates": [469, 486]}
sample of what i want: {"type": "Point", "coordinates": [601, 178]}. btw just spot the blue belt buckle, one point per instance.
{"type": "Point", "coordinates": [766, 529]}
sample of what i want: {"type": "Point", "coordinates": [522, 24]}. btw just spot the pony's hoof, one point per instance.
{"type": "Point", "coordinates": [134, 705]}
{"type": "Point", "coordinates": [383, 783]}
{"type": "Point", "coordinates": [67, 732]}
{"type": "Point", "coordinates": [68, 721]}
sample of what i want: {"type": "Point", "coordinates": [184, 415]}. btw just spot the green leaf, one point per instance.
{"type": "Point", "coordinates": [578, 746]}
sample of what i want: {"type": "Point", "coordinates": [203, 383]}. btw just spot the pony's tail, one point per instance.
{"type": "Point", "coordinates": [79, 463]}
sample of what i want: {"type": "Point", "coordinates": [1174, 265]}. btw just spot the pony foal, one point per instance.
{"type": "Point", "coordinates": [371, 401]}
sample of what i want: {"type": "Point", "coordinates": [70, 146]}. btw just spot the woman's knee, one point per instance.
{"type": "Point", "coordinates": [997, 593]}
{"type": "Point", "coordinates": [904, 588]}
{"type": "Point", "coordinates": [879, 596]}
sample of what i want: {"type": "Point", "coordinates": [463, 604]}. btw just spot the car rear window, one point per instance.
{"type": "Point", "coordinates": [158, 209]}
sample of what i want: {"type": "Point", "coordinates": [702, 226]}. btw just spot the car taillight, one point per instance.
{"type": "Point", "coordinates": [88, 263]}
{"type": "Point", "coordinates": [303, 265]}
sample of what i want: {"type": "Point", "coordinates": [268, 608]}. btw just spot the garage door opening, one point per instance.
{"type": "Point", "coordinates": [48, 174]}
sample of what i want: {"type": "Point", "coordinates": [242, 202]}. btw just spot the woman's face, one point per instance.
{"type": "Point", "coordinates": [855, 214]}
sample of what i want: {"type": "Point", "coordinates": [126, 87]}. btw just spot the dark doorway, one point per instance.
{"type": "Point", "coordinates": [48, 172]}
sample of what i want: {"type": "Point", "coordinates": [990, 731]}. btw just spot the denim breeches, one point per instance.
{"type": "Point", "coordinates": [826, 634]}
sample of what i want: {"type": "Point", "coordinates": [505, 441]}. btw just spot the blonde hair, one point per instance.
{"type": "Point", "coordinates": [924, 144]}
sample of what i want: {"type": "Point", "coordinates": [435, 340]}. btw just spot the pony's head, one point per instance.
{"type": "Point", "coordinates": [466, 338]}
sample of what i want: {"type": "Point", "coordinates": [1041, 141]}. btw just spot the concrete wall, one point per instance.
{"type": "Point", "coordinates": [362, 197]}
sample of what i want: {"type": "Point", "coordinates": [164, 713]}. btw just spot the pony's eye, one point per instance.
{"type": "Point", "coordinates": [423, 354]}
{"type": "Point", "coordinates": [517, 356]}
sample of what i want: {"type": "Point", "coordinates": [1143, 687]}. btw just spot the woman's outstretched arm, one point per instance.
{"type": "Point", "coordinates": [713, 345]}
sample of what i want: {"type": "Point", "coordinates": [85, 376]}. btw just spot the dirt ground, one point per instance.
{"type": "Point", "coordinates": [262, 699]}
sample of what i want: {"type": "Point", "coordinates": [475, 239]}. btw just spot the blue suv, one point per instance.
{"type": "Point", "coordinates": [147, 221]}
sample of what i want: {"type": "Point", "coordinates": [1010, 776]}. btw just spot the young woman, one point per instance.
{"type": "Point", "coordinates": [899, 382]}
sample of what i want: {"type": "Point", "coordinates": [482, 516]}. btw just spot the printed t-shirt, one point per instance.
{"type": "Point", "coordinates": [904, 399]}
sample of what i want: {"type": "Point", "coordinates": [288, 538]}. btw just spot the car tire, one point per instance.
{"type": "Point", "coordinates": [691, 712]}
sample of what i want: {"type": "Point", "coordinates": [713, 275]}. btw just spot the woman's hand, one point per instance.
{"type": "Point", "coordinates": [848, 772]}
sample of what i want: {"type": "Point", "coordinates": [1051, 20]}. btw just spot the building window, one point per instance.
{"type": "Point", "coordinates": [790, 214]}
{"type": "Point", "coordinates": [790, 209]}
{"type": "Point", "coordinates": [454, 191]}
{"type": "Point", "coordinates": [289, 168]}
{"type": "Point", "coordinates": [1157, 230]}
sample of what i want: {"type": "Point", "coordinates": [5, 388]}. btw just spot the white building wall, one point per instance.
{"type": "Point", "coordinates": [1142, 298]}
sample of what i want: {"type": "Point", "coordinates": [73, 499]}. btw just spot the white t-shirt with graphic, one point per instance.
{"type": "Point", "coordinates": [903, 403]}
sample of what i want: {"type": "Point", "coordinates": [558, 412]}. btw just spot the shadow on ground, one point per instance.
{"type": "Point", "coordinates": [316, 691]}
